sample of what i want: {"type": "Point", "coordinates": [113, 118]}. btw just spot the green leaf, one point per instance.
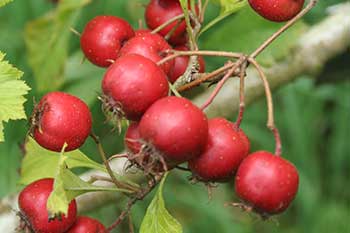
{"type": "Point", "coordinates": [228, 7]}
{"type": "Point", "coordinates": [4, 2]}
{"type": "Point", "coordinates": [12, 91]}
{"type": "Point", "coordinates": [40, 163]}
{"type": "Point", "coordinates": [47, 41]}
{"type": "Point", "coordinates": [157, 218]}
{"type": "Point", "coordinates": [68, 186]}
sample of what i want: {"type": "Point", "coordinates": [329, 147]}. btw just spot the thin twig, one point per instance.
{"type": "Point", "coordinates": [108, 167]}
{"type": "Point", "coordinates": [270, 121]}
{"type": "Point", "coordinates": [221, 83]}
{"type": "Point", "coordinates": [178, 53]}
{"type": "Point", "coordinates": [205, 77]}
{"type": "Point", "coordinates": [142, 194]}
{"type": "Point", "coordinates": [241, 95]}
{"type": "Point", "coordinates": [167, 23]}
{"type": "Point", "coordinates": [309, 6]}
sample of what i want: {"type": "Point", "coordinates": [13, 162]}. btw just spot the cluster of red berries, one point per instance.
{"type": "Point", "coordinates": [165, 131]}
{"type": "Point", "coordinates": [34, 215]}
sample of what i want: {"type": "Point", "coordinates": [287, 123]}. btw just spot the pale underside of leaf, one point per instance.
{"type": "Point", "coordinates": [40, 163]}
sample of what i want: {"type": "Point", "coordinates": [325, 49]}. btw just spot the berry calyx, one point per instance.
{"type": "Point", "coordinates": [132, 138]}
{"type": "Point", "coordinates": [277, 10]}
{"type": "Point", "coordinates": [160, 11]}
{"type": "Point", "coordinates": [132, 84]}
{"type": "Point", "coordinates": [32, 203]}
{"type": "Point", "coordinates": [103, 37]}
{"type": "Point", "coordinates": [224, 151]}
{"type": "Point", "coordinates": [61, 118]}
{"type": "Point", "coordinates": [266, 182]}
{"type": "Point", "coordinates": [151, 46]}
{"type": "Point", "coordinates": [87, 225]}
{"type": "Point", "coordinates": [181, 63]}
{"type": "Point", "coordinates": [176, 128]}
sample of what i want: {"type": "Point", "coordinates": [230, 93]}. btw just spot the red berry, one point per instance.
{"type": "Point", "coordinates": [277, 10]}
{"type": "Point", "coordinates": [59, 118]}
{"type": "Point", "coordinates": [87, 225]}
{"type": "Point", "coordinates": [267, 182]}
{"type": "Point", "coordinates": [225, 150]}
{"type": "Point", "coordinates": [134, 83]}
{"type": "Point", "coordinates": [103, 37]}
{"type": "Point", "coordinates": [152, 46]}
{"type": "Point", "coordinates": [181, 64]}
{"type": "Point", "coordinates": [161, 11]}
{"type": "Point", "coordinates": [175, 127]}
{"type": "Point", "coordinates": [32, 203]}
{"type": "Point", "coordinates": [132, 138]}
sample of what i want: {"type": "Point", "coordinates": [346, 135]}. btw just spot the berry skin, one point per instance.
{"type": "Point", "coordinates": [60, 117]}
{"type": "Point", "coordinates": [176, 128]}
{"type": "Point", "coordinates": [87, 225]}
{"type": "Point", "coordinates": [132, 137]}
{"type": "Point", "coordinates": [225, 150]}
{"type": "Point", "coordinates": [151, 46]}
{"type": "Point", "coordinates": [277, 10]}
{"type": "Point", "coordinates": [32, 203]}
{"type": "Point", "coordinates": [181, 65]}
{"type": "Point", "coordinates": [135, 83]}
{"type": "Point", "coordinates": [266, 182]}
{"type": "Point", "coordinates": [103, 37]}
{"type": "Point", "coordinates": [160, 11]}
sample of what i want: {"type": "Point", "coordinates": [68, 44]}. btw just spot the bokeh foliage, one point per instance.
{"type": "Point", "coordinates": [313, 116]}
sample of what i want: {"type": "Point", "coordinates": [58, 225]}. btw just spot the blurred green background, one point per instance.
{"type": "Point", "coordinates": [313, 114]}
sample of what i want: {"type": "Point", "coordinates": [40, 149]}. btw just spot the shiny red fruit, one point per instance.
{"type": "Point", "coordinates": [175, 127]}
{"type": "Point", "coordinates": [160, 11]}
{"type": "Point", "coordinates": [134, 83]}
{"type": "Point", "coordinates": [87, 225]}
{"type": "Point", "coordinates": [181, 64]}
{"type": "Point", "coordinates": [103, 37]}
{"type": "Point", "coordinates": [32, 203]}
{"type": "Point", "coordinates": [277, 10]}
{"type": "Point", "coordinates": [224, 151]}
{"type": "Point", "coordinates": [151, 46]}
{"type": "Point", "coordinates": [132, 138]}
{"type": "Point", "coordinates": [61, 118]}
{"type": "Point", "coordinates": [266, 182]}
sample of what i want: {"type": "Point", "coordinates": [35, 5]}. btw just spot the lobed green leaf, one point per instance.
{"type": "Point", "coordinates": [157, 218]}
{"type": "Point", "coordinates": [12, 91]}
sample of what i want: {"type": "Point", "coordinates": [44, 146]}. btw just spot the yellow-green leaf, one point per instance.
{"type": "Point", "coordinates": [47, 40]}
{"type": "Point", "coordinates": [12, 91]}
{"type": "Point", "coordinates": [157, 218]}
{"type": "Point", "coordinates": [39, 163]}
{"type": "Point", "coordinates": [4, 2]}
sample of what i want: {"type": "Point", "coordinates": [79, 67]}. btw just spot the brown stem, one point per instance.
{"type": "Point", "coordinates": [108, 167]}
{"type": "Point", "coordinates": [171, 32]}
{"type": "Point", "coordinates": [309, 6]}
{"type": "Point", "coordinates": [165, 24]}
{"type": "Point", "coordinates": [204, 8]}
{"type": "Point", "coordinates": [205, 77]}
{"type": "Point", "coordinates": [221, 84]}
{"type": "Point", "coordinates": [270, 121]}
{"type": "Point", "coordinates": [131, 225]}
{"type": "Point", "coordinates": [178, 53]}
{"type": "Point", "coordinates": [241, 96]}
{"type": "Point", "coordinates": [75, 32]}
{"type": "Point", "coordinates": [142, 194]}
